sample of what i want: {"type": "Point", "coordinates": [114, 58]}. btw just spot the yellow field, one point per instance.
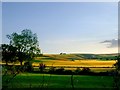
{"type": "Point", "coordinates": [63, 61]}
{"type": "Point", "coordinates": [80, 63]}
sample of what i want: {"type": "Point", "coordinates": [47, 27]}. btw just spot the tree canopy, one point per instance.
{"type": "Point", "coordinates": [26, 43]}
{"type": "Point", "coordinates": [8, 53]}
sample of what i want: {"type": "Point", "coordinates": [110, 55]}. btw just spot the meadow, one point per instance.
{"type": "Point", "coordinates": [32, 80]}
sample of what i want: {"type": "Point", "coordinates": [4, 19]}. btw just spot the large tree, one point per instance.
{"type": "Point", "coordinates": [117, 73]}
{"type": "Point", "coordinates": [9, 53]}
{"type": "Point", "coordinates": [26, 43]}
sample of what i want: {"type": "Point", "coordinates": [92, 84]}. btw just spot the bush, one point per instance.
{"type": "Point", "coordinates": [60, 70]}
{"type": "Point", "coordinates": [42, 67]}
{"type": "Point", "coordinates": [28, 66]}
{"type": "Point", "coordinates": [68, 72]}
{"type": "Point", "coordinates": [85, 70]}
{"type": "Point", "coordinates": [78, 70]}
{"type": "Point", "coordinates": [52, 70]}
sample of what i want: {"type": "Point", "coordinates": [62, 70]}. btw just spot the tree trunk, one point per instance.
{"type": "Point", "coordinates": [6, 63]}
{"type": "Point", "coordinates": [72, 83]}
{"type": "Point", "coordinates": [21, 63]}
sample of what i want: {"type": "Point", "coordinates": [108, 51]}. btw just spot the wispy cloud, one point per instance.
{"type": "Point", "coordinates": [111, 43]}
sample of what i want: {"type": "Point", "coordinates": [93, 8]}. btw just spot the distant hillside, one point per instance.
{"type": "Point", "coordinates": [63, 57]}
{"type": "Point", "coordinates": [99, 56]}
{"type": "Point", "coordinates": [79, 56]}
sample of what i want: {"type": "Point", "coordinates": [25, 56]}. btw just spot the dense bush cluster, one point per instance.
{"type": "Point", "coordinates": [78, 71]}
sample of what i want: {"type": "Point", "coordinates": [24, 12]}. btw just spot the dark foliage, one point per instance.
{"type": "Point", "coordinates": [42, 67]}
{"type": "Point", "coordinates": [26, 44]}
{"type": "Point", "coordinates": [77, 71]}
{"type": "Point", "coordinates": [28, 67]}
{"type": "Point", "coordinates": [52, 70]}
{"type": "Point", "coordinates": [9, 53]}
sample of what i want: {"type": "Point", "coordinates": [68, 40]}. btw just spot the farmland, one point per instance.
{"type": "Point", "coordinates": [69, 62]}
{"type": "Point", "coordinates": [32, 80]}
{"type": "Point", "coordinates": [74, 60]}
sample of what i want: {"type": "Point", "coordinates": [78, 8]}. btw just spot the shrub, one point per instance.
{"type": "Point", "coordinates": [60, 70]}
{"type": "Point", "coordinates": [28, 66]}
{"type": "Point", "coordinates": [78, 70]}
{"type": "Point", "coordinates": [68, 72]}
{"type": "Point", "coordinates": [85, 70]}
{"type": "Point", "coordinates": [52, 70]}
{"type": "Point", "coordinates": [42, 67]}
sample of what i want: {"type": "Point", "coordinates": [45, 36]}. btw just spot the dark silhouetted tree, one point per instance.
{"type": "Point", "coordinates": [9, 53]}
{"type": "Point", "coordinates": [26, 43]}
{"type": "Point", "coordinates": [117, 74]}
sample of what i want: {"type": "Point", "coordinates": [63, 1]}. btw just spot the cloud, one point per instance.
{"type": "Point", "coordinates": [111, 43]}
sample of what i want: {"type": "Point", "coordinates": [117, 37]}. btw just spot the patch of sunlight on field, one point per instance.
{"type": "Point", "coordinates": [79, 63]}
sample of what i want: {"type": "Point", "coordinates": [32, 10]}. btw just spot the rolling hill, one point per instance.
{"type": "Point", "coordinates": [78, 56]}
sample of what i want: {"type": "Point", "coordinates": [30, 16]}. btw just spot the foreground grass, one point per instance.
{"type": "Point", "coordinates": [32, 80]}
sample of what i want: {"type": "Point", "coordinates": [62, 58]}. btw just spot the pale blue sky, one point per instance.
{"type": "Point", "coordinates": [0, 22]}
{"type": "Point", "coordinates": [64, 27]}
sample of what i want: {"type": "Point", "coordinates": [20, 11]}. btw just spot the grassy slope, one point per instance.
{"type": "Point", "coordinates": [58, 81]}
{"type": "Point", "coordinates": [81, 56]}
{"type": "Point", "coordinates": [72, 57]}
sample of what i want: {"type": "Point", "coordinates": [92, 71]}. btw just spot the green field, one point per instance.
{"type": "Point", "coordinates": [32, 80]}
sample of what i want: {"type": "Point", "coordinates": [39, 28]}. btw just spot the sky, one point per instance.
{"type": "Point", "coordinates": [0, 22]}
{"type": "Point", "coordinates": [69, 27]}
{"type": "Point", "coordinates": [60, 0]}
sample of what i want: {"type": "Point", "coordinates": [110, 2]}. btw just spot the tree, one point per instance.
{"type": "Point", "coordinates": [118, 63]}
{"type": "Point", "coordinates": [26, 43]}
{"type": "Point", "coordinates": [8, 53]}
{"type": "Point", "coordinates": [117, 74]}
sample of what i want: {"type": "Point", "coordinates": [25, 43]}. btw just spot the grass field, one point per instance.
{"type": "Point", "coordinates": [32, 80]}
